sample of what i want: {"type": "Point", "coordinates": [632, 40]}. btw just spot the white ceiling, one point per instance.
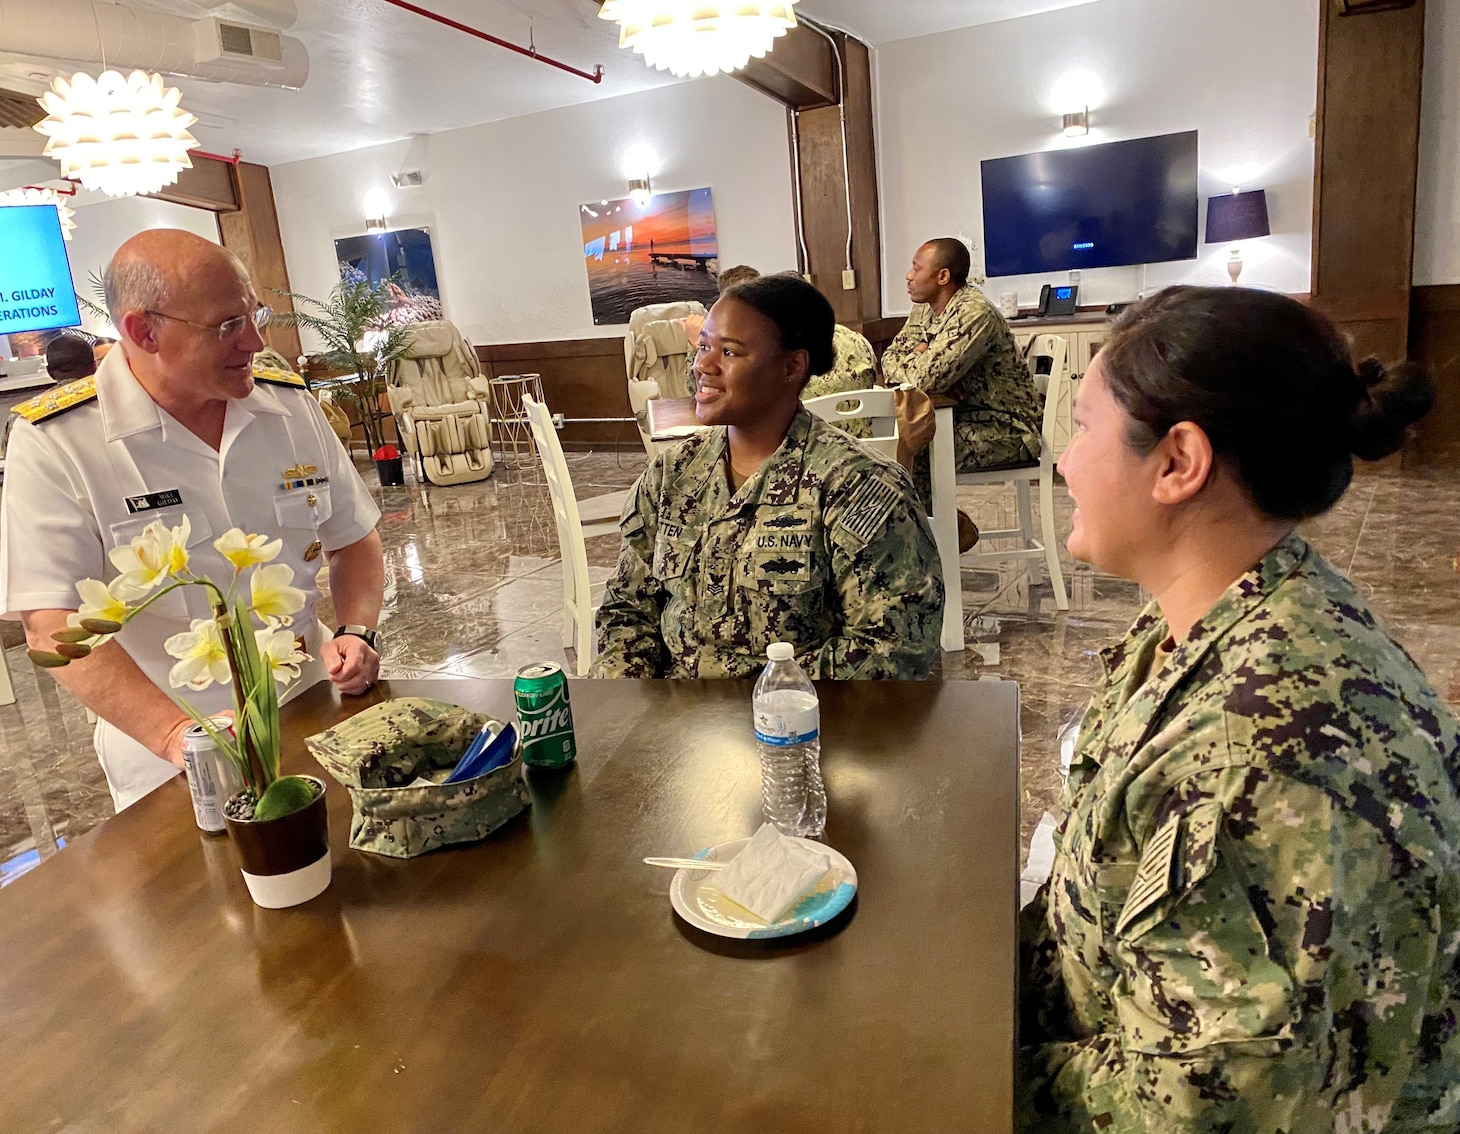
{"type": "Point", "coordinates": [379, 73]}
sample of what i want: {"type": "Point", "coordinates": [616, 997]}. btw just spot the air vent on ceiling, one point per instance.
{"type": "Point", "coordinates": [406, 178]}
{"type": "Point", "coordinates": [217, 39]}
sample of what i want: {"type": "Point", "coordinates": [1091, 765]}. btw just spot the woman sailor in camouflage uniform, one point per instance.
{"type": "Point", "coordinates": [1253, 923]}
{"type": "Point", "coordinates": [774, 526]}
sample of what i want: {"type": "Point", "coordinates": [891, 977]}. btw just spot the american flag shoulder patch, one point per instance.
{"type": "Point", "coordinates": [867, 513]}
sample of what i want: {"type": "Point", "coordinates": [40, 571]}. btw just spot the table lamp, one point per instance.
{"type": "Point", "coordinates": [1237, 216]}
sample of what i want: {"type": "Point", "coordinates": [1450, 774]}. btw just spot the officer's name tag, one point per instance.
{"type": "Point", "coordinates": [151, 501]}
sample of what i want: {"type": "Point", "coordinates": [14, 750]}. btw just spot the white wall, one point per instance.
{"type": "Point", "coordinates": [1437, 217]}
{"type": "Point", "coordinates": [1242, 72]}
{"type": "Point", "coordinates": [502, 200]}
{"type": "Point", "coordinates": [103, 223]}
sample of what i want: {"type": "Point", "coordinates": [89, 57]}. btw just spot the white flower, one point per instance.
{"type": "Point", "coordinates": [154, 555]}
{"type": "Point", "coordinates": [244, 551]}
{"type": "Point", "coordinates": [203, 657]}
{"type": "Point", "coordinates": [99, 601]}
{"type": "Point", "coordinates": [280, 651]}
{"type": "Point", "coordinates": [271, 595]}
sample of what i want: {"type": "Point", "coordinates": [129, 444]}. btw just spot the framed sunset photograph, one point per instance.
{"type": "Point", "coordinates": [662, 252]}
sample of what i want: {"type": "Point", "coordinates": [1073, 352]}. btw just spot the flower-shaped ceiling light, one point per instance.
{"type": "Point", "coordinates": [122, 136]}
{"type": "Point", "coordinates": [692, 38]}
{"type": "Point", "coordinates": [34, 196]}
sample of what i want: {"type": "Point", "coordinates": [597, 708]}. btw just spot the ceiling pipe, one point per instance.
{"type": "Point", "coordinates": [68, 191]}
{"type": "Point", "coordinates": [234, 160]}
{"type": "Point", "coordinates": [531, 52]}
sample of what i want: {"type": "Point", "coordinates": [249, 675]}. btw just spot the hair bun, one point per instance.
{"type": "Point", "coordinates": [1390, 400]}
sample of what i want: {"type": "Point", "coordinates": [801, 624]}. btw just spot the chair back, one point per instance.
{"type": "Point", "coordinates": [1048, 357]}
{"type": "Point", "coordinates": [875, 405]}
{"type": "Point", "coordinates": [437, 366]}
{"type": "Point", "coordinates": [560, 483]}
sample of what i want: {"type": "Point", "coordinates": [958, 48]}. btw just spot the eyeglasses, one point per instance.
{"type": "Point", "coordinates": [229, 328]}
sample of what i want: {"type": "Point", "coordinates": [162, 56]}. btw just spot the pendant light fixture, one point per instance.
{"type": "Point", "coordinates": [122, 136]}
{"type": "Point", "coordinates": [690, 38]}
{"type": "Point", "coordinates": [31, 195]}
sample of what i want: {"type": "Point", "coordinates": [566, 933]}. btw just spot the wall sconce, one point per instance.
{"type": "Point", "coordinates": [376, 207]}
{"type": "Point", "coordinates": [640, 192]}
{"type": "Point", "coordinates": [1077, 123]}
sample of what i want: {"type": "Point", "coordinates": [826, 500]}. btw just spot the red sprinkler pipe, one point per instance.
{"type": "Point", "coordinates": [532, 53]}
{"type": "Point", "coordinates": [234, 160]}
{"type": "Point", "coordinates": [70, 191]}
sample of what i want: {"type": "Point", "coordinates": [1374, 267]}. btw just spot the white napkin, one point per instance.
{"type": "Point", "coordinates": [771, 873]}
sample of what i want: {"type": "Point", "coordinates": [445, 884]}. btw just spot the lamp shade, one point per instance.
{"type": "Point", "coordinates": [1237, 216]}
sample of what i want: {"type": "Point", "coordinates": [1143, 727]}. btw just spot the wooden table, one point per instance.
{"type": "Point", "coordinates": [539, 981]}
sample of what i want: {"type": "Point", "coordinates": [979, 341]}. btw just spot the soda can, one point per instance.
{"type": "Point", "coordinates": [212, 778]}
{"type": "Point", "coordinates": [541, 691]}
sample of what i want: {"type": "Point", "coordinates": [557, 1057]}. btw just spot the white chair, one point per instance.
{"type": "Point", "coordinates": [1034, 545]}
{"type": "Point", "coordinates": [875, 405]}
{"type": "Point", "coordinates": [577, 522]}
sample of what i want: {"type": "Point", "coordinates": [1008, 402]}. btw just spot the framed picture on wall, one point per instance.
{"type": "Point", "coordinates": [663, 251]}
{"type": "Point", "coordinates": [404, 259]}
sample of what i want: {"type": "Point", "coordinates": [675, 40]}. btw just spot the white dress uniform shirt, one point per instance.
{"type": "Point", "coordinates": [92, 477]}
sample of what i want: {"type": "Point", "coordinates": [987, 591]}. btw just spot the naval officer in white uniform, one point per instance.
{"type": "Point", "coordinates": [177, 423]}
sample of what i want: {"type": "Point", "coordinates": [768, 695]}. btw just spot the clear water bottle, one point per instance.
{"type": "Point", "coordinates": [788, 738]}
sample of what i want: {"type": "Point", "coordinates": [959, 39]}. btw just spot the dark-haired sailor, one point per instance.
{"type": "Point", "coordinates": [956, 343]}
{"type": "Point", "coordinates": [1253, 922]}
{"type": "Point", "coordinates": [775, 526]}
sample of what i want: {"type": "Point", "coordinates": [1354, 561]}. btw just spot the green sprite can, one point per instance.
{"type": "Point", "coordinates": [541, 691]}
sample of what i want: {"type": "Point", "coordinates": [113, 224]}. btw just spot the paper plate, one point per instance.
{"type": "Point", "coordinates": [694, 897]}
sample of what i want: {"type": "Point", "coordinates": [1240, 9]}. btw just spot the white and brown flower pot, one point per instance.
{"type": "Point", "coordinates": [285, 861]}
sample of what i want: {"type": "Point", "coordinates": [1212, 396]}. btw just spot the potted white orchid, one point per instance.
{"type": "Point", "coordinates": [248, 643]}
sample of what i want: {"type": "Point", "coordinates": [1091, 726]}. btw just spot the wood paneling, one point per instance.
{"type": "Point", "coordinates": [1366, 168]}
{"type": "Point", "coordinates": [252, 233]}
{"type": "Point", "coordinates": [800, 71]}
{"type": "Point", "coordinates": [580, 378]}
{"type": "Point", "coordinates": [824, 185]}
{"type": "Point", "coordinates": [208, 185]}
{"type": "Point", "coordinates": [1434, 342]}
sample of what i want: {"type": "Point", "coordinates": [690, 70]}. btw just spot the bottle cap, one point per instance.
{"type": "Point", "coordinates": [780, 651]}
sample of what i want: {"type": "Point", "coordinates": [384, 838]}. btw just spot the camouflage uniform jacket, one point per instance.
{"type": "Point", "coordinates": [1253, 923]}
{"type": "Point", "coordinates": [972, 357]}
{"type": "Point", "coordinates": [854, 368]}
{"type": "Point", "coordinates": [825, 547]}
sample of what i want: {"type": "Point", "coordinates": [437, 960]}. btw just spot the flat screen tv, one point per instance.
{"type": "Point", "coordinates": [36, 293]}
{"type": "Point", "coordinates": [1091, 207]}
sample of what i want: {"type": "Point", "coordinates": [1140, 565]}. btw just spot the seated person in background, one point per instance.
{"type": "Point", "coordinates": [1253, 922]}
{"type": "Point", "coordinates": [69, 358]}
{"type": "Point", "coordinates": [774, 527]}
{"type": "Point", "coordinates": [956, 343]}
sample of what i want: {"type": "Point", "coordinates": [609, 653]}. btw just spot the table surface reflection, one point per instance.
{"type": "Point", "coordinates": [539, 981]}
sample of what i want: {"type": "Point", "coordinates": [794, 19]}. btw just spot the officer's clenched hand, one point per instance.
{"type": "Point", "coordinates": [351, 664]}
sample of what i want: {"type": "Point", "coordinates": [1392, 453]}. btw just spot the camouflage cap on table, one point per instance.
{"type": "Point", "coordinates": [380, 751]}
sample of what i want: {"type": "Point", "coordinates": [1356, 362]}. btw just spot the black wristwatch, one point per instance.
{"type": "Point", "coordinates": [370, 637]}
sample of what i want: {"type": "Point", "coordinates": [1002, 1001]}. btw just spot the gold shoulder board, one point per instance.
{"type": "Point", "coordinates": [278, 377]}
{"type": "Point", "coordinates": [57, 401]}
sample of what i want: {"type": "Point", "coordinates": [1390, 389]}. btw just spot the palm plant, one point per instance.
{"type": "Point", "coordinates": [355, 324]}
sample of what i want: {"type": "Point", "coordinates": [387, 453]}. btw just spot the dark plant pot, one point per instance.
{"type": "Point", "coordinates": [391, 471]}
{"type": "Point", "coordinates": [285, 861]}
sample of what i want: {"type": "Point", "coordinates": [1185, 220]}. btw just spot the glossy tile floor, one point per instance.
{"type": "Point", "coordinates": [474, 590]}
